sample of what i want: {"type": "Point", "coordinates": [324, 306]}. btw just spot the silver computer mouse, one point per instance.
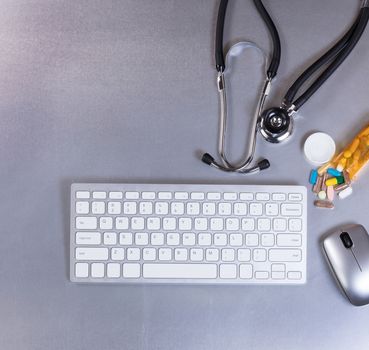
{"type": "Point", "coordinates": [347, 251]}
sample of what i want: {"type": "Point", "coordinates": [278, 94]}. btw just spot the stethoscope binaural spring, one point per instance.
{"type": "Point", "coordinates": [276, 124]}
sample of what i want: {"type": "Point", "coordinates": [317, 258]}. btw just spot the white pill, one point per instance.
{"type": "Point", "coordinates": [345, 193]}
{"type": "Point", "coordinates": [322, 195]}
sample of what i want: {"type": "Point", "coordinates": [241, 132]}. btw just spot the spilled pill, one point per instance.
{"type": "Point", "coordinates": [331, 182]}
{"type": "Point", "coordinates": [330, 193]}
{"type": "Point", "coordinates": [345, 193]}
{"type": "Point", "coordinates": [334, 172]}
{"type": "Point", "coordinates": [313, 177]}
{"type": "Point", "coordinates": [322, 195]}
{"type": "Point", "coordinates": [324, 204]}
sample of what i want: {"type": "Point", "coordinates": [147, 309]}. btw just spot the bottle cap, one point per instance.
{"type": "Point", "coordinates": [319, 148]}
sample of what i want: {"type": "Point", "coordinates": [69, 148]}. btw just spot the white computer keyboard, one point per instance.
{"type": "Point", "coordinates": [156, 233]}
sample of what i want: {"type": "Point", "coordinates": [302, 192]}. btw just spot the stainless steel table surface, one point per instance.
{"type": "Point", "coordinates": [124, 91]}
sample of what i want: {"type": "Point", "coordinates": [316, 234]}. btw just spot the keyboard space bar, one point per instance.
{"type": "Point", "coordinates": [179, 270]}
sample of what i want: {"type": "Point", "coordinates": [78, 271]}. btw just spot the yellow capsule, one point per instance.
{"type": "Point", "coordinates": [354, 145]}
{"type": "Point", "coordinates": [347, 154]}
{"type": "Point", "coordinates": [331, 182]}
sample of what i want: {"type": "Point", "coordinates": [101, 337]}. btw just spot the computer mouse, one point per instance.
{"type": "Point", "coordinates": [347, 252]}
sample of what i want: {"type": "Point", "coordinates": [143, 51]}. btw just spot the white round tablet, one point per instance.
{"type": "Point", "coordinates": [319, 148]}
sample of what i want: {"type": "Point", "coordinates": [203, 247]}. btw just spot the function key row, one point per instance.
{"type": "Point", "coordinates": [245, 196]}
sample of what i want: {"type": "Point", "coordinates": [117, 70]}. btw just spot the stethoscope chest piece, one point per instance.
{"type": "Point", "coordinates": [275, 125]}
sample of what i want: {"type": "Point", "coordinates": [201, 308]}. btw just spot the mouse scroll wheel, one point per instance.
{"type": "Point", "coordinates": [346, 240]}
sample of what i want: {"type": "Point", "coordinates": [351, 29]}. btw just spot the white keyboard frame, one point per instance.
{"type": "Point", "coordinates": [184, 188]}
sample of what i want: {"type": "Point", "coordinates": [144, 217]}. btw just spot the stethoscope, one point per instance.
{"type": "Point", "coordinates": [276, 124]}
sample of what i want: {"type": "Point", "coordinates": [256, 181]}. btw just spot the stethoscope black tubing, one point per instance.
{"type": "Point", "coordinates": [276, 56]}
{"type": "Point", "coordinates": [326, 58]}
{"type": "Point", "coordinates": [356, 35]}
{"type": "Point", "coordinates": [219, 55]}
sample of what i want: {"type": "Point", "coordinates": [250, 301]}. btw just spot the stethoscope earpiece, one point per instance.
{"type": "Point", "coordinates": [275, 125]}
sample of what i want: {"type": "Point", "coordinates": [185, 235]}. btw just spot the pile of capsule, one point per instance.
{"type": "Point", "coordinates": [327, 183]}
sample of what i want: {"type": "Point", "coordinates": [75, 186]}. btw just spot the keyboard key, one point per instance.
{"type": "Point", "coordinates": [180, 254]}
{"type": "Point", "coordinates": [125, 238]}
{"type": "Point", "coordinates": [244, 254]}
{"type": "Point", "coordinates": [212, 254]}
{"type": "Point", "coordinates": [261, 275]}
{"type": "Point", "coordinates": [145, 208]}
{"type": "Point", "coordinates": [99, 195]}
{"type": "Point", "coordinates": [106, 223]}
{"type": "Point", "coordinates": [185, 224]}
{"type": "Point", "coordinates": [208, 208]}
{"type": "Point", "coordinates": [165, 254]}
{"type": "Point", "coordinates": [240, 209]}
{"type": "Point", "coordinates": [130, 208]}
{"type": "Point", "coordinates": [294, 275]}
{"type": "Point", "coordinates": [149, 254]}
{"type": "Point", "coordinates": [292, 255]}
{"type": "Point", "coordinates": [132, 195]}
{"type": "Point", "coordinates": [185, 271]}
{"type": "Point", "coordinates": [157, 238]}
{"type": "Point", "coordinates": [113, 270]}
{"type": "Point", "coordinates": [114, 208]}
{"type": "Point", "coordinates": [131, 270]}
{"type": "Point", "coordinates": [82, 207]}
{"type": "Point", "coordinates": [271, 209]}
{"type": "Point", "coordinates": [259, 255]}
{"type": "Point", "coordinates": [279, 225]}
{"type": "Point", "coordinates": [267, 240]}
{"type": "Point", "coordinates": [153, 224]}
{"type": "Point", "coordinates": [177, 208]}
{"type": "Point", "coordinates": [181, 195]}
{"type": "Point", "coordinates": [81, 270]}
{"type": "Point", "coordinates": [189, 239]}
{"type": "Point", "coordinates": [86, 223]}
{"type": "Point", "coordinates": [246, 196]}
{"type": "Point", "coordinates": [98, 207]}
{"type": "Point", "coordinates": [201, 224]}
{"type": "Point", "coordinates": [246, 271]}
{"type": "Point", "coordinates": [252, 239]}
{"type": "Point", "coordinates": [97, 270]}
{"type": "Point", "coordinates": [169, 224]}
{"type": "Point", "coordinates": [256, 209]}
{"type": "Point", "coordinates": [197, 195]}
{"type": "Point", "coordinates": [248, 224]}
{"type": "Point", "coordinates": [92, 254]}
{"type": "Point", "coordinates": [161, 208]}
{"type": "Point", "coordinates": [228, 271]}
{"type": "Point", "coordinates": [235, 239]}
{"type": "Point", "coordinates": [225, 208]}
{"type": "Point", "coordinates": [173, 238]}
{"type": "Point", "coordinates": [264, 225]}
{"type": "Point", "coordinates": [88, 238]}
{"type": "Point", "coordinates": [193, 208]}
{"type": "Point", "coordinates": [228, 254]}
{"type": "Point", "coordinates": [121, 223]}
{"type": "Point", "coordinates": [115, 195]}
{"type": "Point", "coordinates": [295, 225]}
{"type": "Point", "coordinates": [213, 196]}
{"type": "Point", "coordinates": [148, 195]}
{"type": "Point", "coordinates": [82, 195]}
{"type": "Point", "coordinates": [133, 254]}
{"type": "Point", "coordinates": [280, 197]}
{"type": "Point", "coordinates": [117, 253]}
{"type": "Point", "coordinates": [291, 209]}
{"type": "Point", "coordinates": [141, 239]}
{"type": "Point", "coordinates": [289, 240]}
{"type": "Point", "coordinates": [204, 239]}
{"type": "Point", "coordinates": [216, 224]}
{"type": "Point", "coordinates": [295, 197]}
{"type": "Point", "coordinates": [232, 224]}
{"type": "Point", "coordinates": [196, 254]}
{"type": "Point", "coordinates": [137, 223]}
{"type": "Point", "coordinates": [262, 196]}
{"type": "Point", "coordinates": [110, 238]}
{"type": "Point", "coordinates": [165, 195]}
{"type": "Point", "coordinates": [230, 196]}
{"type": "Point", "coordinates": [278, 275]}
{"type": "Point", "coordinates": [220, 239]}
